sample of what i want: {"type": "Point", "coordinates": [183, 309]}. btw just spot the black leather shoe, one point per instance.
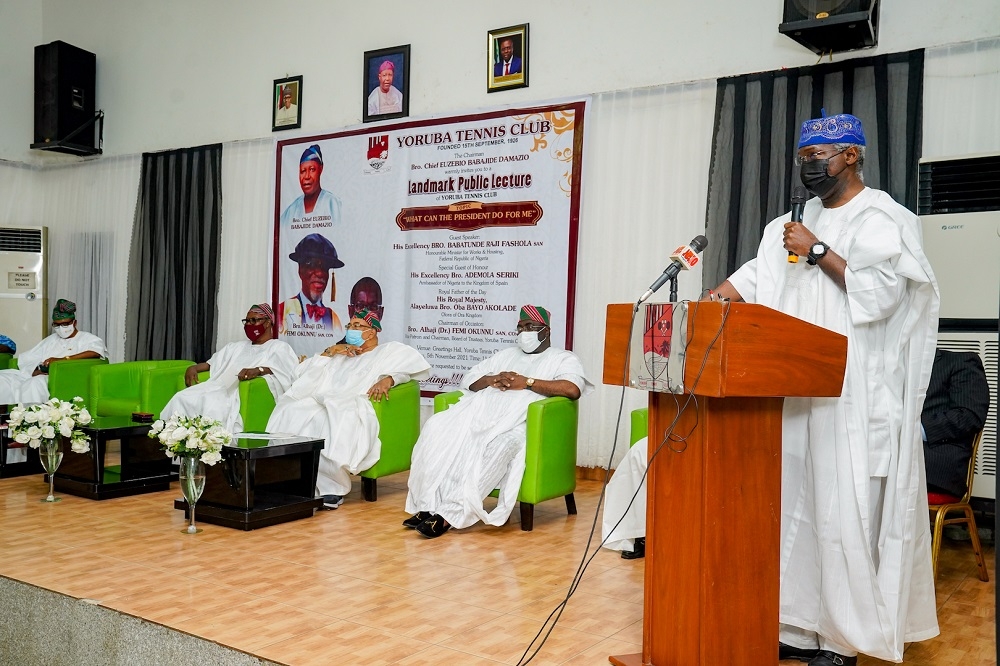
{"type": "Point", "coordinates": [799, 654]}
{"type": "Point", "coordinates": [433, 527]}
{"type": "Point", "coordinates": [638, 550]}
{"type": "Point", "coordinates": [827, 658]}
{"type": "Point", "coordinates": [417, 518]}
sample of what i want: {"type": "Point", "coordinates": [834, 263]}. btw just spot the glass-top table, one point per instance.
{"type": "Point", "coordinates": [122, 461]}
{"type": "Point", "coordinates": [260, 482]}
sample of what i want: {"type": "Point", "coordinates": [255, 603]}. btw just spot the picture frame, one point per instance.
{"type": "Point", "coordinates": [286, 91]}
{"type": "Point", "coordinates": [502, 72]}
{"type": "Point", "coordinates": [386, 79]}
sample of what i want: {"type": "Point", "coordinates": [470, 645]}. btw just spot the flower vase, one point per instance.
{"type": "Point", "coordinates": [51, 454]}
{"type": "Point", "coordinates": [192, 476]}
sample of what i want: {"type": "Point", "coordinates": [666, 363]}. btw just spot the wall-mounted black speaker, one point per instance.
{"type": "Point", "coordinates": [831, 26]}
{"type": "Point", "coordinates": [65, 99]}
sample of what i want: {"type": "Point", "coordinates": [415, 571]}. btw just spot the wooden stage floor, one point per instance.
{"type": "Point", "coordinates": [352, 586]}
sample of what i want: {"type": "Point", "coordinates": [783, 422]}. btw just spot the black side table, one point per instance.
{"type": "Point", "coordinates": [260, 482]}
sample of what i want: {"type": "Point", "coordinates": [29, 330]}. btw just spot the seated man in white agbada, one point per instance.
{"type": "Point", "coordinates": [478, 444]}
{"type": "Point", "coordinates": [331, 398]}
{"type": "Point", "coordinates": [624, 524]}
{"type": "Point", "coordinates": [29, 383]}
{"type": "Point", "coordinates": [260, 355]}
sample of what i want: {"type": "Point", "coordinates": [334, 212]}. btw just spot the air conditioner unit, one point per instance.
{"type": "Point", "coordinates": [959, 203]}
{"type": "Point", "coordinates": [24, 298]}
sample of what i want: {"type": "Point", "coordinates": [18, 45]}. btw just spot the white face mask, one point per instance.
{"type": "Point", "coordinates": [528, 341]}
{"type": "Point", "coordinates": [63, 331]}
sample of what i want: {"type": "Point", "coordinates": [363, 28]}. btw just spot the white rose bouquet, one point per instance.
{"type": "Point", "coordinates": [192, 437]}
{"type": "Point", "coordinates": [49, 420]}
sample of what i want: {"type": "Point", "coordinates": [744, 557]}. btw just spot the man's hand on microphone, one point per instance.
{"type": "Point", "coordinates": [798, 239]}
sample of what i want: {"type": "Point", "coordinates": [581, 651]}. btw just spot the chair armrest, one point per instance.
{"type": "Point", "coordinates": [443, 401]}
{"type": "Point", "coordinates": [639, 425]}
{"type": "Point", "coordinates": [256, 404]}
{"type": "Point", "coordinates": [158, 385]}
{"type": "Point", "coordinates": [7, 361]}
{"type": "Point", "coordinates": [71, 378]}
{"type": "Point", "coordinates": [399, 426]}
{"type": "Point", "coordinates": [550, 452]}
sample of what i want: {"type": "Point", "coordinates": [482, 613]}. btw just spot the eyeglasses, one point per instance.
{"type": "Point", "coordinates": [815, 155]}
{"type": "Point", "coordinates": [254, 321]}
{"type": "Point", "coordinates": [530, 326]}
{"type": "Point", "coordinates": [356, 326]}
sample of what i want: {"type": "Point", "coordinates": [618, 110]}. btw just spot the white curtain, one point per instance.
{"type": "Point", "coordinates": [645, 176]}
{"type": "Point", "coordinates": [247, 229]}
{"type": "Point", "coordinates": [962, 99]}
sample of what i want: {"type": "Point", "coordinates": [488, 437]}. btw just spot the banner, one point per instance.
{"type": "Point", "coordinates": [443, 227]}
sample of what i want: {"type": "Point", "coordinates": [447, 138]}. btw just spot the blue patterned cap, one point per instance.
{"type": "Point", "coordinates": [312, 153]}
{"type": "Point", "coordinates": [841, 128]}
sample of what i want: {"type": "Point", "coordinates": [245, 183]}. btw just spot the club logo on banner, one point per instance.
{"type": "Point", "coordinates": [443, 227]}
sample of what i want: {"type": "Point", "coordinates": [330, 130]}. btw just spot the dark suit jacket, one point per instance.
{"type": "Point", "coordinates": [958, 398]}
{"type": "Point", "coordinates": [515, 67]}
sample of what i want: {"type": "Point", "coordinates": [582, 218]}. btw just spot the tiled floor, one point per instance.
{"type": "Point", "coordinates": [353, 587]}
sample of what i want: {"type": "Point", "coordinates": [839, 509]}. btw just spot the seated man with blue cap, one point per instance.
{"type": "Point", "coordinates": [855, 551]}
{"type": "Point", "coordinates": [7, 346]}
{"type": "Point", "coordinates": [29, 383]}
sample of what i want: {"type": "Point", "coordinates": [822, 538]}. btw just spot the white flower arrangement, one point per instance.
{"type": "Point", "coordinates": [49, 420]}
{"type": "Point", "coordinates": [192, 437]}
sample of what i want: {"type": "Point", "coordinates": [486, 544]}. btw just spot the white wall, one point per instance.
{"type": "Point", "coordinates": [187, 72]}
{"type": "Point", "coordinates": [20, 32]}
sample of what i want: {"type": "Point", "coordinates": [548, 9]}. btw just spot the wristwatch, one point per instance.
{"type": "Point", "coordinates": [817, 252]}
{"type": "Point", "coordinates": [529, 382]}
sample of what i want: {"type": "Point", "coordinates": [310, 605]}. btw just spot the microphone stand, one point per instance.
{"type": "Point", "coordinates": [673, 289]}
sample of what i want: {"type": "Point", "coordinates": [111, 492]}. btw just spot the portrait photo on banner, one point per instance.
{"type": "Point", "coordinates": [286, 104]}
{"type": "Point", "coordinates": [507, 58]}
{"type": "Point", "coordinates": [386, 84]}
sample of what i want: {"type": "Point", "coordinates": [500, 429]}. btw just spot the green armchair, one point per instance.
{"type": "Point", "coordinates": [639, 425]}
{"type": "Point", "coordinates": [398, 428]}
{"type": "Point", "coordinates": [71, 378]}
{"type": "Point", "coordinates": [7, 361]}
{"type": "Point", "coordinates": [256, 401]}
{"type": "Point", "coordinates": [118, 389]}
{"type": "Point", "coordinates": [550, 456]}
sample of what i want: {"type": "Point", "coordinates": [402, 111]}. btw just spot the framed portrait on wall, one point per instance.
{"type": "Point", "coordinates": [286, 105]}
{"type": "Point", "coordinates": [387, 84]}
{"type": "Point", "coordinates": [507, 58]}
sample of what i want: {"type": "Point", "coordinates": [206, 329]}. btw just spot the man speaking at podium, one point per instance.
{"type": "Point", "coordinates": [856, 570]}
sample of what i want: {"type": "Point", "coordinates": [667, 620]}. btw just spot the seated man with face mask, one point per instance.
{"type": "Point", "coordinates": [260, 355]}
{"type": "Point", "coordinates": [29, 383]}
{"type": "Point", "coordinates": [331, 398]}
{"type": "Point", "coordinates": [478, 444]}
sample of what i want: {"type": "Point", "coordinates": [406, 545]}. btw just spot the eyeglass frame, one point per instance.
{"type": "Point", "coordinates": [799, 160]}
{"type": "Point", "coordinates": [259, 320]}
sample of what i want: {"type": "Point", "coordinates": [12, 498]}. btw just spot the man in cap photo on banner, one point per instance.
{"type": "Point", "coordinates": [478, 444]}
{"type": "Point", "coordinates": [305, 313]}
{"type": "Point", "coordinates": [260, 355]}
{"type": "Point", "coordinates": [331, 398]}
{"type": "Point", "coordinates": [856, 572]}
{"type": "Point", "coordinates": [29, 383]}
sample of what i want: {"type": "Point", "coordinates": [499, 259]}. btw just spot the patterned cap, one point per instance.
{"type": "Point", "coordinates": [64, 310]}
{"type": "Point", "coordinates": [386, 65]}
{"type": "Point", "coordinates": [312, 153]}
{"type": "Point", "coordinates": [265, 310]}
{"type": "Point", "coordinates": [841, 128]}
{"type": "Point", "coordinates": [535, 313]}
{"type": "Point", "coordinates": [369, 318]}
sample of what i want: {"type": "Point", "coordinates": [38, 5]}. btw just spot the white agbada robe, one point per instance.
{"type": "Point", "coordinates": [329, 399]}
{"type": "Point", "coordinates": [856, 570]}
{"type": "Point", "coordinates": [18, 386]}
{"type": "Point", "coordinates": [619, 505]}
{"type": "Point", "coordinates": [478, 444]}
{"type": "Point", "coordinates": [218, 397]}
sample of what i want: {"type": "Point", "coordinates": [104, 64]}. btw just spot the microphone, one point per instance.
{"type": "Point", "coordinates": [799, 197]}
{"type": "Point", "coordinates": [683, 258]}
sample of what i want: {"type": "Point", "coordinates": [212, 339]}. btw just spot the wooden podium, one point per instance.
{"type": "Point", "coordinates": [714, 501]}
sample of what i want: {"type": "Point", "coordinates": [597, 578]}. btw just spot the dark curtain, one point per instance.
{"type": "Point", "coordinates": [174, 265]}
{"type": "Point", "coordinates": [757, 121]}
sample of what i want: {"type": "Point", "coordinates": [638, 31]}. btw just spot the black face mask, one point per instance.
{"type": "Point", "coordinates": [816, 178]}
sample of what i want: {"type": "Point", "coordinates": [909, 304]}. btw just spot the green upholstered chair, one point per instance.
{"type": "Point", "coordinates": [639, 425]}
{"type": "Point", "coordinates": [7, 361]}
{"type": "Point", "coordinates": [398, 428]}
{"type": "Point", "coordinates": [118, 389]}
{"type": "Point", "coordinates": [71, 378]}
{"type": "Point", "coordinates": [550, 454]}
{"type": "Point", "coordinates": [256, 401]}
